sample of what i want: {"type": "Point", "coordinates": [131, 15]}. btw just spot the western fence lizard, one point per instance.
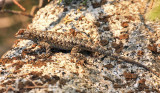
{"type": "Point", "coordinates": [67, 41]}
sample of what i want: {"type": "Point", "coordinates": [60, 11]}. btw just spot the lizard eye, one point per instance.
{"type": "Point", "coordinates": [20, 32]}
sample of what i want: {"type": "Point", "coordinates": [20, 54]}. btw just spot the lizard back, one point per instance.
{"type": "Point", "coordinates": [61, 40]}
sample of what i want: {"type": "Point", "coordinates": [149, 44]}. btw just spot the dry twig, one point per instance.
{"type": "Point", "coordinates": [19, 5]}
{"type": "Point", "coordinates": [16, 12]}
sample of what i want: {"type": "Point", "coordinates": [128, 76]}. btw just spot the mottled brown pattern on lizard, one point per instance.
{"type": "Point", "coordinates": [69, 42]}
{"type": "Point", "coordinates": [60, 40]}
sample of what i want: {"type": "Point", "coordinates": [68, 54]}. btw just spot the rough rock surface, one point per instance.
{"type": "Point", "coordinates": [115, 25]}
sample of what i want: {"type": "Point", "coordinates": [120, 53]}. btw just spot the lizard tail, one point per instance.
{"type": "Point", "coordinates": [131, 61]}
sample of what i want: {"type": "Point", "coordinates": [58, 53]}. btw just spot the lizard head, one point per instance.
{"type": "Point", "coordinates": [22, 33]}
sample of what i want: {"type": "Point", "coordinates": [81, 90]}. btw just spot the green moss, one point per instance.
{"type": "Point", "coordinates": [154, 14]}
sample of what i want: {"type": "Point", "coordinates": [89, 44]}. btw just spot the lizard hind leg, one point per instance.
{"type": "Point", "coordinates": [76, 56]}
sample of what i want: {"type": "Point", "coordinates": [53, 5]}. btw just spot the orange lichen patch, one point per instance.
{"type": "Point", "coordinates": [130, 76]}
{"type": "Point", "coordinates": [142, 86]}
{"type": "Point", "coordinates": [16, 58]}
{"type": "Point", "coordinates": [81, 17]}
{"type": "Point", "coordinates": [4, 61]}
{"type": "Point", "coordinates": [16, 71]}
{"type": "Point", "coordinates": [140, 53]}
{"type": "Point", "coordinates": [18, 65]}
{"type": "Point", "coordinates": [21, 32]}
{"type": "Point", "coordinates": [130, 18]}
{"type": "Point", "coordinates": [72, 61]}
{"type": "Point", "coordinates": [16, 42]}
{"type": "Point", "coordinates": [34, 45]}
{"type": "Point", "coordinates": [123, 36]}
{"type": "Point", "coordinates": [153, 48]}
{"type": "Point", "coordinates": [35, 75]}
{"type": "Point", "coordinates": [118, 47]}
{"type": "Point", "coordinates": [31, 61]}
{"type": "Point", "coordinates": [108, 66]}
{"type": "Point", "coordinates": [142, 81]}
{"type": "Point", "coordinates": [80, 63]}
{"type": "Point", "coordinates": [124, 24]}
{"type": "Point", "coordinates": [117, 18]}
{"type": "Point", "coordinates": [104, 42]}
{"type": "Point", "coordinates": [73, 32]}
{"type": "Point", "coordinates": [9, 82]}
{"type": "Point", "coordinates": [24, 52]}
{"type": "Point", "coordinates": [130, 91]}
{"type": "Point", "coordinates": [39, 64]}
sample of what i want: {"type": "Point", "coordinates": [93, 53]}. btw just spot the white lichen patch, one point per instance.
{"type": "Point", "coordinates": [18, 48]}
{"type": "Point", "coordinates": [72, 18]}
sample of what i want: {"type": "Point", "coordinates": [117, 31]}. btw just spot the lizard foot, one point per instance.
{"type": "Point", "coordinates": [77, 57]}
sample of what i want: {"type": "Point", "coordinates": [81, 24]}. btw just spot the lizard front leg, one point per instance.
{"type": "Point", "coordinates": [47, 49]}
{"type": "Point", "coordinates": [76, 56]}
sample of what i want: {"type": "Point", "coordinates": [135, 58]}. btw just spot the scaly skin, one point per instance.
{"type": "Point", "coordinates": [67, 41]}
{"type": "Point", "coordinates": [59, 40]}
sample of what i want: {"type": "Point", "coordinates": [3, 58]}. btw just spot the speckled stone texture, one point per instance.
{"type": "Point", "coordinates": [115, 25]}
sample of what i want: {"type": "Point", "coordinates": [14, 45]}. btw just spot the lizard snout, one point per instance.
{"type": "Point", "coordinates": [21, 33]}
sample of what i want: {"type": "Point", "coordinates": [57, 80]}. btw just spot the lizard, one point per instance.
{"type": "Point", "coordinates": [67, 41]}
